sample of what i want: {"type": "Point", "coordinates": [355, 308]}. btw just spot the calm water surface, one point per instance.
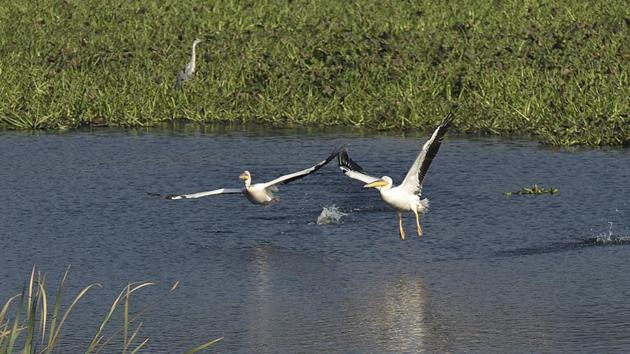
{"type": "Point", "coordinates": [493, 273]}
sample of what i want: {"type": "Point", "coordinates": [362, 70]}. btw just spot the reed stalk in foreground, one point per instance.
{"type": "Point", "coordinates": [38, 331]}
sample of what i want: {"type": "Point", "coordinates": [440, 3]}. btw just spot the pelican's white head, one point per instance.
{"type": "Point", "coordinates": [246, 177]}
{"type": "Point", "coordinates": [384, 182]}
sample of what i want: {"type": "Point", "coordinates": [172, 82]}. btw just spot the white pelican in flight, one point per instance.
{"type": "Point", "coordinates": [258, 193]}
{"type": "Point", "coordinates": [406, 196]}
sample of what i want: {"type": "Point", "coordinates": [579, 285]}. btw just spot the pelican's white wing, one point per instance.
{"type": "Point", "coordinates": [300, 174]}
{"type": "Point", "coordinates": [204, 194]}
{"type": "Point", "coordinates": [414, 178]}
{"type": "Point", "coordinates": [352, 169]}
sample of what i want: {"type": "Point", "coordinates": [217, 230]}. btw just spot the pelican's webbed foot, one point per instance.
{"type": "Point", "coordinates": [401, 230]}
{"type": "Point", "coordinates": [418, 224]}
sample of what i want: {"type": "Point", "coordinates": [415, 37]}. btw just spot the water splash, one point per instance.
{"type": "Point", "coordinates": [609, 238]}
{"type": "Point", "coordinates": [604, 239]}
{"type": "Point", "coordinates": [330, 215]}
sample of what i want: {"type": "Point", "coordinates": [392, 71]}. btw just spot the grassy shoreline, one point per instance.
{"type": "Point", "coordinates": [560, 72]}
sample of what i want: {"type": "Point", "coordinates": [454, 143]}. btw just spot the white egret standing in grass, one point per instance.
{"type": "Point", "coordinates": [187, 72]}
{"type": "Point", "coordinates": [259, 193]}
{"type": "Point", "coordinates": [406, 196]}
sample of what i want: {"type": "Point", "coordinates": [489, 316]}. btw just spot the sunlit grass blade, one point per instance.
{"type": "Point", "coordinates": [56, 335]}
{"type": "Point", "coordinates": [31, 314]}
{"type": "Point", "coordinates": [203, 346]}
{"type": "Point", "coordinates": [140, 346]}
{"type": "Point", "coordinates": [44, 301]}
{"type": "Point", "coordinates": [33, 307]}
{"type": "Point", "coordinates": [134, 334]}
{"type": "Point", "coordinates": [3, 312]}
{"type": "Point", "coordinates": [174, 287]}
{"type": "Point", "coordinates": [4, 333]}
{"type": "Point", "coordinates": [126, 322]}
{"type": "Point", "coordinates": [16, 322]}
{"type": "Point", "coordinates": [96, 341]}
{"type": "Point", "coordinates": [55, 314]}
{"type": "Point", "coordinates": [137, 315]}
{"type": "Point", "coordinates": [31, 282]}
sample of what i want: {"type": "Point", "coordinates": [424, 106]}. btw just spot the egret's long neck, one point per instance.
{"type": "Point", "coordinates": [194, 52]}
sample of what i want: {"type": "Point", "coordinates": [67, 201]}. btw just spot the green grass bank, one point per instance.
{"type": "Point", "coordinates": [558, 71]}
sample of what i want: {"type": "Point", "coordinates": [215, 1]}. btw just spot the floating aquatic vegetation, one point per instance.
{"type": "Point", "coordinates": [534, 190]}
{"type": "Point", "coordinates": [330, 215]}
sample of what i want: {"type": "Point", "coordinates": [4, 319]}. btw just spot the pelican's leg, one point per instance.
{"type": "Point", "coordinates": [401, 231]}
{"type": "Point", "coordinates": [418, 223]}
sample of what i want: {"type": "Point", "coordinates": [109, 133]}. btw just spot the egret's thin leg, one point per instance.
{"type": "Point", "coordinates": [401, 231]}
{"type": "Point", "coordinates": [418, 223]}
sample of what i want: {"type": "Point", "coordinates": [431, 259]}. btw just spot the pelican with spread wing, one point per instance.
{"type": "Point", "coordinates": [259, 193]}
{"type": "Point", "coordinates": [406, 196]}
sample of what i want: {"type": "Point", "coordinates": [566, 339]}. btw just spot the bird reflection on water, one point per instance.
{"type": "Point", "coordinates": [389, 316]}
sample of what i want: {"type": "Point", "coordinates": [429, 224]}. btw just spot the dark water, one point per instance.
{"type": "Point", "coordinates": [493, 273]}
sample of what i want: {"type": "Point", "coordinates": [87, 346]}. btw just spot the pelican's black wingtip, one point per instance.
{"type": "Point", "coordinates": [162, 196]}
{"type": "Point", "coordinates": [339, 148]}
{"type": "Point", "coordinates": [447, 120]}
{"type": "Point", "coordinates": [345, 162]}
{"type": "Point", "coordinates": [335, 153]}
{"type": "Point", "coordinates": [342, 156]}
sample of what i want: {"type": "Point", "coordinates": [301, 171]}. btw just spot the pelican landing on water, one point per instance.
{"type": "Point", "coordinates": [406, 196]}
{"type": "Point", "coordinates": [189, 69]}
{"type": "Point", "coordinates": [258, 193]}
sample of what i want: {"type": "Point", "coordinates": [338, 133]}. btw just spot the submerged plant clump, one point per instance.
{"type": "Point", "coordinates": [31, 324]}
{"type": "Point", "coordinates": [533, 190]}
{"type": "Point", "coordinates": [555, 71]}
